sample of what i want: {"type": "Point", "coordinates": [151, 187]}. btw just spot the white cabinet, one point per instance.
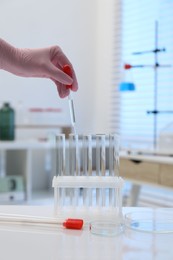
{"type": "Point", "coordinates": [151, 169]}
{"type": "Point", "coordinates": [16, 166]}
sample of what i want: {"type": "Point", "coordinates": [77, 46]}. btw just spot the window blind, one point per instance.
{"type": "Point", "coordinates": [137, 128]}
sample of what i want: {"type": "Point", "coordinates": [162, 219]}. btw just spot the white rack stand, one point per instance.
{"type": "Point", "coordinates": [76, 195]}
{"type": "Point", "coordinates": [82, 192]}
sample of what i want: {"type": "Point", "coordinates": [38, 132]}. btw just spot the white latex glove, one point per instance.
{"type": "Point", "coordinates": [42, 63]}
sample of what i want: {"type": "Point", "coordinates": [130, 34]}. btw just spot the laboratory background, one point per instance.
{"type": "Point", "coordinates": [122, 52]}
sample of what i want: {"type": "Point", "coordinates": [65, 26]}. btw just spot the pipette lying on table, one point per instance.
{"type": "Point", "coordinates": [69, 223]}
{"type": "Point", "coordinates": [67, 70]}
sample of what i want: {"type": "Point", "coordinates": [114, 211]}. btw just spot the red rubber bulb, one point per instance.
{"type": "Point", "coordinates": [67, 70]}
{"type": "Point", "coordinates": [71, 223]}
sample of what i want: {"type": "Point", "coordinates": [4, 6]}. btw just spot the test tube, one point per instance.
{"type": "Point", "coordinates": [114, 155]}
{"type": "Point", "coordinates": [74, 164]}
{"type": "Point", "coordinates": [74, 154]}
{"type": "Point", "coordinates": [113, 164]}
{"type": "Point", "coordinates": [100, 166]}
{"type": "Point", "coordinates": [90, 170]}
{"type": "Point", "coordinates": [60, 165]}
{"type": "Point", "coordinates": [87, 166]}
{"type": "Point", "coordinates": [60, 155]}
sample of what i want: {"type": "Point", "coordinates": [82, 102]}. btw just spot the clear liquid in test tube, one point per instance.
{"type": "Point", "coordinates": [87, 166]}
{"type": "Point", "coordinates": [114, 155]}
{"type": "Point", "coordinates": [60, 164]}
{"type": "Point", "coordinates": [60, 155]}
{"type": "Point", "coordinates": [74, 165]}
{"type": "Point", "coordinates": [100, 166]}
{"type": "Point", "coordinates": [113, 164]}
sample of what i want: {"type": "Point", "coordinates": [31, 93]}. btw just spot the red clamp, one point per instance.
{"type": "Point", "coordinates": [127, 66]}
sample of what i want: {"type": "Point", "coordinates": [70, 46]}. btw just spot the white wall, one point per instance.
{"type": "Point", "coordinates": [82, 29]}
{"type": "Point", "coordinates": [107, 29]}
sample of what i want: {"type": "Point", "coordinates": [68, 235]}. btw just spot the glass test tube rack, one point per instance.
{"type": "Point", "coordinates": [87, 182]}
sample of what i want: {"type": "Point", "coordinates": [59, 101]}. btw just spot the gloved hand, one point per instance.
{"type": "Point", "coordinates": [42, 63]}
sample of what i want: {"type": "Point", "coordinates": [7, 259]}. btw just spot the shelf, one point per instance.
{"type": "Point", "coordinates": [42, 126]}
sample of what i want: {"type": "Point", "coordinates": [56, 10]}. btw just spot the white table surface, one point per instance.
{"type": "Point", "coordinates": [22, 242]}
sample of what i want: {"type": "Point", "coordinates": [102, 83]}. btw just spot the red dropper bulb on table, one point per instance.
{"type": "Point", "coordinates": [71, 223]}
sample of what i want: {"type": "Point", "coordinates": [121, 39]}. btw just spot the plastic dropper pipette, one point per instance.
{"type": "Point", "coordinates": [69, 223]}
{"type": "Point", "coordinates": [67, 70]}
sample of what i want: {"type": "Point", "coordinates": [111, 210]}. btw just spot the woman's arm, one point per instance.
{"type": "Point", "coordinates": [42, 63]}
